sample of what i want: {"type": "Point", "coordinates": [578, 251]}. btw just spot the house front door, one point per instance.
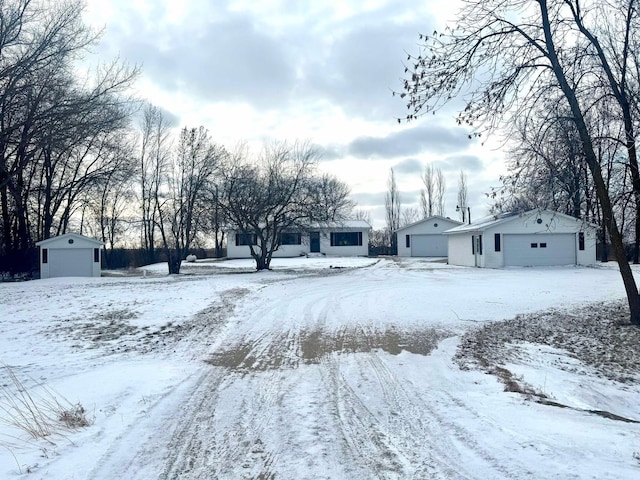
{"type": "Point", "coordinates": [314, 242]}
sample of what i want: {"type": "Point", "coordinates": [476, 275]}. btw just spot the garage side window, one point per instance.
{"type": "Point", "coordinates": [96, 255]}
{"type": "Point", "coordinates": [473, 245]}
{"type": "Point", "coordinates": [496, 241]}
{"type": "Point", "coordinates": [407, 241]}
{"type": "Point", "coordinates": [581, 241]}
{"type": "Point", "coordinates": [45, 255]}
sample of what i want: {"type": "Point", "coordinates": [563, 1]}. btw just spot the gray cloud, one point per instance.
{"type": "Point", "coordinates": [239, 56]}
{"type": "Point", "coordinates": [468, 163]}
{"type": "Point", "coordinates": [410, 166]}
{"type": "Point", "coordinates": [427, 137]}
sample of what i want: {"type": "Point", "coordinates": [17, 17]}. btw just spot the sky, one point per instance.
{"type": "Point", "coordinates": [292, 70]}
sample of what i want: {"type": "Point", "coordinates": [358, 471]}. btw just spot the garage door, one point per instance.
{"type": "Point", "coordinates": [534, 250]}
{"type": "Point", "coordinates": [428, 246]}
{"type": "Point", "coordinates": [71, 262]}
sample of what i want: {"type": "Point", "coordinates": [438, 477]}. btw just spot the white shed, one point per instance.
{"type": "Point", "coordinates": [425, 237]}
{"type": "Point", "coordinates": [70, 255]}
{"type": "Point", "coordinates": [533, 238]}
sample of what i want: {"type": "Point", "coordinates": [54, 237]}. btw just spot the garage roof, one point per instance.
{"type": "Point", "coordinates": [493, 220]}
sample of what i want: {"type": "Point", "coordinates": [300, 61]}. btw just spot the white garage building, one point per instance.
{"type": "Point", "coordinates": [425, 237]}
{"type": "Point", "coordinates": [533, 238]}
{"type": "Point", "coordinates": [70, 255]}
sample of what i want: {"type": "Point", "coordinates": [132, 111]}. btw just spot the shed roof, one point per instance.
{"type": "Point", "coordinates": [492, 220]}
{"type": "Point", "coordinates": [75, 236]}
{"type": "Point", "coordinates": [433, 217]}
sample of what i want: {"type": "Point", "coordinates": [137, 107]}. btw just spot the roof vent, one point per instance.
{"type": "Point", "coordinates": [539, 221]}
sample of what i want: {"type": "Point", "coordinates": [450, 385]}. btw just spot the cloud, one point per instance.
{"type": "Point", "coordinates": [369, 199]}
{"type": "Point", "coordinates": [410, 165]}
{"type": "Point", "coordinates": [467, 163]}
{"type": "Point", "coordinates": [427, 137]}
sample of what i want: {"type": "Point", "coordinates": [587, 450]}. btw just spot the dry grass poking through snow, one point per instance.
{"type": "Point", "coordinates": [598, 335]}
{"type": "Point", "coordinates": [38, 412]}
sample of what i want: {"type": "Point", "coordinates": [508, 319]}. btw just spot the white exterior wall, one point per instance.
{"type": "Point", "coordinates": [61, 244]}
{"type": "Point", "coordinates": [551, 223]}
{"type": "Point", "coordinates": [242, 251]}
{"type": "Point", "coordinates": [460, 252]}
{"type": "Point", "coordinates": [424, 227]}
{"type": "Point", "coordinates": [344, 251]}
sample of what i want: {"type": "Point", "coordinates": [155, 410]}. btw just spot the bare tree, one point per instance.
{"type": "Point", "coordinates": [52, 124]}
{"type": "Point", "coordinates": [333, 198]}
{"type": "Point", "coordinates": [359, 214]}
{"type": "Point", "coordinates": [267, 197]}
{"type": "Point", "coordinates": [510, 58]}
{"type": "Point", "coordinates": [428, 193]}
{"type": "Point", "coordinates": [409, 216]}
{"type": "Point", "coordinates": [441, 186]}
{"type": "Point", "coordinates": [154, 159]}
{"type": "Point", "coordinates": [463, 202]}
{"type": "Point", "coordinates": [393, 207]}
{"type": "Point", "coordinates": [182, 204]}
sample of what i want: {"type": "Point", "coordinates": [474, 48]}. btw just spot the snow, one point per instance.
{"type": "Point", "coordinates": [309, 371]}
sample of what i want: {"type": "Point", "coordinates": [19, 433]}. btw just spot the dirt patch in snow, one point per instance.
{"type": "Point", "coordinates": [291, 348]}
{"type": "Point", "coordinates": [116, 331]}
{"type": "Point", "coordinates": [598, 335]}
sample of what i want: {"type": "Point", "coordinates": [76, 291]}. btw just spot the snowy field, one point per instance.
{"type": "Point", "coordinates": [323, 368]}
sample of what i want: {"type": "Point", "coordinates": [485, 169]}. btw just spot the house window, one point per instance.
{"type": "Point", "coordinates": [496, 241]}
{"type": "Point", "coordinates": [479, 244]}
{"type": "Point", "coordinates": [246, 239]}
{"type": "Point", "coordinates": [346, 239]}
{"type": "Point", "coordinates": [473, 245]}
{"type": "Point", "coordinates": [534, 245]}
{"type": "Point", "coordinates": [407, 241]}
{"type": "Point", "coordinates": [581, 241]}
{"type": "Point", "coordinates": [543, 245]}
{"type": "Point", "coordinates": [96, 255]}
{"type": "Point", "coordinates": [45, 255]}
{"type": "Point", "coordinates": [290, 239]}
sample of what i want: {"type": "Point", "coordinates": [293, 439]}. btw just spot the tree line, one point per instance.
{"type": "Point", "coordinates": [560, 78]}
{"type": "Point", "coordinates": [78, 153]}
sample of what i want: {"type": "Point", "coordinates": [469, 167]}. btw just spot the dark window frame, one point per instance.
{"type": "Point", "coordinates": [96, 255]}
{"type": "Point", "coordinates": [291, 238]}
{"type": "Point", "coordinates": [346, 239]}
{"type": "Point", "coordinates": [581, 241]}
{"type": "Point", "coordinates": [534, 245]}
{"type": "Point", "coordinates": [243, 239]}
{"type": "Point", "coordinates": [496, 242]}
{"type": "Point", "coordinates": [45, 255]}
{"type": "Point", "coordinates": [407, 241]}
{"type": "Point", "coordinates": [543, 245]}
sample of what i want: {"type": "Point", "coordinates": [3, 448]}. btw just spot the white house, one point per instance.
{"type": "Point", "coordinates": [347, 239]}
{"type": "Point", "coordinates": [533, 238]}
{"type": "Point", "coordinates": [70, 255]}
{"type": "Point", "coordinates": [425, 238]}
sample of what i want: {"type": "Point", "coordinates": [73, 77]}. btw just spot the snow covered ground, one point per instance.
{"type": "Point", "coordinates": [323, 368]}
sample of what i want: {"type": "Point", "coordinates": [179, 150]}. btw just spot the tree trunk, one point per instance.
{"type": "Point", "coordinates": [596, 172]}
{"type": "Point", "coordinates": [174, 261]}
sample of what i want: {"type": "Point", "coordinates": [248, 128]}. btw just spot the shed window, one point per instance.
{"type": "Point", "coordinates": [246, 239]}
{"type": "Point", "coordinates": [346, 239]}
{"type": "Point", "coordinates": [534, 245]}
{"type": "Point", "coordinates": [96, 255]}
{"type": "Point", "coordinates": [407, 241]}
{"type": "Point", "coordinates": [290, 239]}
{"type": "Point", "coordinates": [581, 241]}
{"type": "Point", "coordinates": [496, 241]}
{"type": "Point", "coordinates": [45, 255]}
